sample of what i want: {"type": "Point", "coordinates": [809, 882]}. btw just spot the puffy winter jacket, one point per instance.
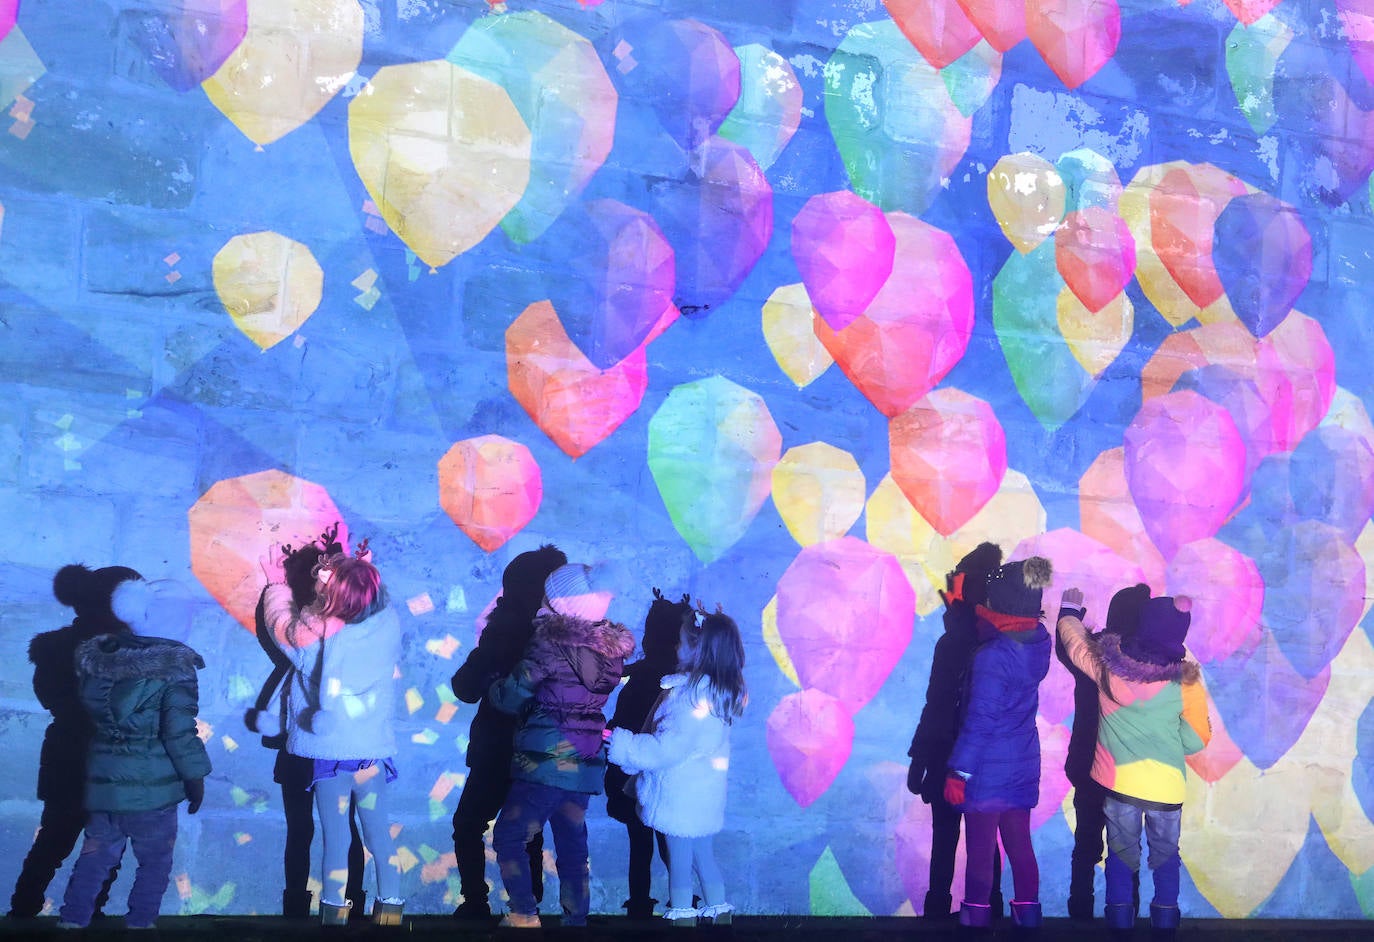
{"type": "Point", "coordinates": [558, 691]}
{"type": "Point", "coordinates": [682, 763]}
{"type": "Point", "coordinates": [1152, 715]}
{"type": "Point", "coordinates": [998, 744]}
{"type": "Point", "coordinates": [341, 694]}
{"type": "Point", "coordinates": [141, 694]}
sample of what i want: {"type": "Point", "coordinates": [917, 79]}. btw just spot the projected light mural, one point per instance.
{"type": "Point", "coordinates": [785, 305]}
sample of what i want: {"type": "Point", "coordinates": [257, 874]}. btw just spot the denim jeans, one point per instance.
{"type": "Point", "coordinates": [528, 806]}
{"type": "Point", "coordinates": [1125, 821]}
{"type": "Point", "coordinates": [153, 835]}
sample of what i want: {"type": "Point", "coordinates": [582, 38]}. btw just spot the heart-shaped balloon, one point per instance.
{"type": "Point", "coordinates": [844, 249]}
{"type": "Point", "coordinates": [1263, 257]}
{"type": "Point", "coordinates": [810, 735]}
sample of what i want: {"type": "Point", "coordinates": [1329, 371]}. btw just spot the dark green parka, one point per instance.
{"type": "Point", "coordinates": [142, 696]}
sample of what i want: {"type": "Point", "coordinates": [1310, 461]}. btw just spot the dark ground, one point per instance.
{"type": "Point", "coordinates": [620, 929]}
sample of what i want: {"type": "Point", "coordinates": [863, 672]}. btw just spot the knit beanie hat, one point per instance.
{"type": "Point", "coordinates": [972, 572]}
{"type": "Point", "coordinates": [1123, 612]}
{"type": "Point", "coordinates": [570, 591]}
{"type": "Point", "coordinates": [522, 581]}
{"type": "Point", "coordinates": [163, 608]}
{"type": "Point", "coordinates": [1163, 625]}
{"type": "Point", "coordinates": [1016, 588]}
{"type": "Point", "coordinates": [88, 591]}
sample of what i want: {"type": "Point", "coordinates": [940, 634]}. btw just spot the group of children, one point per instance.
{"type": "Point", "coordinates": [1139, 710]}
{"type": "Point", "coordinates": [542, 671]}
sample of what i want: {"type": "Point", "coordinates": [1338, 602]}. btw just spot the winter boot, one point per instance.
{"type": "Point", "coordinates": [358, 902]}
{"type": "Point", "coordinates": [387, 912]}
{"type": "Point", "coordinates": [937, 905]}
{"type": "Point", "coordinates": [520, 921]}
{"type": "Point", "coordinates": [976, 917]}
{"type": "Point", "coordinates": [639, 908]}
{"type": "Point", "coordinates": [717, 915]}
{"type": "Point", "coordinates": [334, 914]}
{"type": "Point", "coordinates": [1025, 916]}
{"type": "Point", "coordinates": [1120, 916]}
{"type": "Point", "coordinates": [295, 904]}
{"type": "Point", "coordinates": [1164, 921]}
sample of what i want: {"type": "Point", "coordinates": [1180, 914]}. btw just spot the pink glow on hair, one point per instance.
{"type": "Point", "coordinates": [351, 592]}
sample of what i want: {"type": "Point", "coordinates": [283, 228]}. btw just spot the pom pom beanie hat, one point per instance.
{"type": "Point", "coordinates": [1016, 588]}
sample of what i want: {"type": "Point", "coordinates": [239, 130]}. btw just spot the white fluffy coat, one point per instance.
{"type": "Point", "coordinates": [680, 765]}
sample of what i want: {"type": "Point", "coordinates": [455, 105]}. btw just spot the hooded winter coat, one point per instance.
{"type": "Point", "coordinates": [998, 744]}
{"type": "Point", "coordinates": [1152, 715]}
{"type": "Point", "coordinates": [142, 696]}
{"type": "Point", "coordinates": [557, 691]}
{"type": "Point", "coordinates": [682, 762]}
{"type": "Point", "coordinates": [341, 693]}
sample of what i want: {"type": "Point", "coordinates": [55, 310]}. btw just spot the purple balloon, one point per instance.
{"type": "Point", "coordinates": [1263, 256]}
{"type": "Point", "coordinates": [1263, 701]}
{"type": "Point", "coordinates": [188, 40]}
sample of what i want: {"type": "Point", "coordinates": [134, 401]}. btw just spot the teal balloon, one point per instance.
{"type": "Point", "coordinates": [1025, 315]}
{"type": "Point", "coordinates": [712, 448]}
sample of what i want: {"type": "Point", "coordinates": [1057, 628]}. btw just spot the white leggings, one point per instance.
{"type": "Point", "coordinates": [693, 854]}
{"type": "Point", "coordinates": [332, 797]}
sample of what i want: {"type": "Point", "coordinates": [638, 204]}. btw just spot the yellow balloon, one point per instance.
{"type": "Point", "coordinates": [1027, 196]}
{"type": "Point", "coordinates": [443, 152]}
{"type": "Point", "coordinates": [294, 58]}
{"type": "Point", "coordinates": [819, 492]}
{"type": "Point", "coordinates": [787, 328]}
{"type": "Point", "coordinates": [771, 637]}
{"type": "Point", "coordinates": [269, 284]}
{"type": "Point", "coordinates": [1095, 338]}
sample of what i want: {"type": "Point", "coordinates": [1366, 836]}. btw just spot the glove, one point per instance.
{"type": "Point", "coordinates": [195, 794]}
{"type": "Point", "coordinates": [954, 789]}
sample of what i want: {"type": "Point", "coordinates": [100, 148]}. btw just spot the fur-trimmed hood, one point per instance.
{"type": "Point", "coordinates": [604, 637]}
{"type": "Point", "coordinates": [1121, 664]}
{"type": "Point", "coordinates": [126, 657]}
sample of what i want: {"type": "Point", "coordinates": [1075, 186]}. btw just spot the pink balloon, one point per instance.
{"type": "Point", "coordinates": [9, 12]}
{"type": "Point", "coordinates": [1296, 375]}
{"type": "Point", "coordinates": [1185, 465]}
{"type": "Point", "coordinates": [843, 247]}
{"type": "Point", "coordinates": [1002, 24]}
{"type": "Point", "coordinates": [1095, 253]}
{"type": "Point", "coordinates": [937, 28]}
{"type": "Point", "coordinates": [1054, 784]}
{"type": "Point", "coordinates": [1076, 38]}
{"type": "Point", "coordinates": [1227, 593]}
{"type": "Point", "coordinates": [810, 735]}
{"type": "Point", "coordinates": [845, 616]}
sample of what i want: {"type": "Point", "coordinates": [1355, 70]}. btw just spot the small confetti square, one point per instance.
{"type": "Point", "coordinates": [172, 259]}
{"type": "Point", "coordinates": [442, 647]}
{"type": "Point", "coordinates": [172, 277]}
{"type": "Point", "coordinates": [421, 604]}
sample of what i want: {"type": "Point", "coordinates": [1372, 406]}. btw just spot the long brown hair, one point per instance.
{"type": "Point", "coordinates": [714, 663]}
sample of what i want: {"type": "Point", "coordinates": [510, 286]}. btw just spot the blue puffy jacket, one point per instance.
{"type": "Point", "coordinates": [998, 744]}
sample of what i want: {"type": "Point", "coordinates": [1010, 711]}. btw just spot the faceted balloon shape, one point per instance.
{"type": "Point", "coordinates": [937, 28]}
{"type": "Point", "coordinates": [819, 492]}
{"type": "Point", "coordinates": [1095, 338]}
{"type": "Point", "coordinates": [1076, 38]}
{"type": "Point", "coordinates": [1252, 55]}
{"type": "Point", "coordinates": [971, 78]}
{"type": "Point", "coordinates": [898, 132]}
{"type": "Point", "coordinates": [790, 335]}
{"type": "Point", "coordinates": [1265, 702]}
{"type": "Point", "coordinates": [1333, 479]}
{"type": "Point", "coordinates": [917, 327]}
{"type": "Point", "coordinates": [684, 70]}
{"type": "Point", "coordinates": [948, 456]}
{"type": "Point", "coordinates": [926, 555]}
{"type": "Point", "coordinates": [1242, 399]}
{"type": "Point", "coordinates": [9, 12]}
{"type": "Point", "coordinates": [1184, 208]}
{"type": "Point", "coordinates": [1090, 180]}
{"type": "Point", "coordinates": [1185, 464]}
{"type": "Point", "coordinates": [1227, 344]}
{"type": "Point", "coordinates": [294, 58]}
{"type": "Point", "coordinates": [186, 41]}
{"type": "Point", "coordinates": [844, 248]}
{"type": "Point", "coordinates": [269, 284]}
{"type": "Point", "coordinates": [769, 109]}
{"type": "Point", "coordinates": [810, 735]}
{"type": "Point", "coordinates": [234, 523]}
{"type": "Point", "coordinates": [1091, 566]}
{"type": "Point", "coordinates": [1248, 11]}
{"type": "Point", "coordinates": [1025, 314]}
{"type": "Point", "coordinates": [845, 613]}
{"type": "Point", "coordinates": [444, 154]}
{"type": "Point", "coordinates": [768, 619]}
{"type": "Point", "coordinates": [1107, 514]}
{"type": "Point", "coordinates": [1295, 373]}
{"type": "Point", "coordinates": [1220, 755]}
{"type": "Point", "coordinates": [610, 273]}
{"type": "Point", "coordinates": [1095, 255]}
{"type": "Point", "coordinates": [490, 487]}
{"type": "Point", "coordinates": [1263, 259]}
{"type": "Point", "coordinates": [712, 448]}
{"type": "Point", "coordinates": [1229, 811]}
{"type": "Point", "coordinates": [1314, 593]}
{"type": "Point", "coordinates": [1054, 784]}
{"type": "Point", "coordinates": [573, 402]}
{"type": "Point", "coordinates": [1003, 25]}
{"type": "Point", "coordinates": [719, 220]}
{"type": "Point", "coordinates": [556, 81]}
{"type": "Point", "coordinates": [1227, 593]}
{"type": "Point", "coordinates": [1027, 195]}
